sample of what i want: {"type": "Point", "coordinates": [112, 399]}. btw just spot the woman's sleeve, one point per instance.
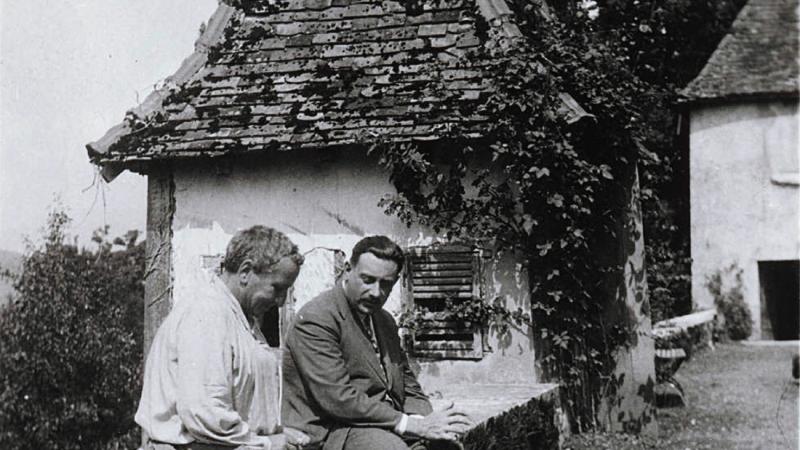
{"type": "Point", "coordinates": [205, 380]}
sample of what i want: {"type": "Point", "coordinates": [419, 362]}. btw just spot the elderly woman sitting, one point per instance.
{"type": "Point", "coordinates": [209, 371]}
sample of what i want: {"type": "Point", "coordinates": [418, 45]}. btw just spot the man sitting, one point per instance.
{"type": "Point", "coordinates": [209, 370]}
{"type": "Point", "coordinates": [347, 382]}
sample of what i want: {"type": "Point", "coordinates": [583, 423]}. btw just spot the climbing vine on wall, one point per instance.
{"type": "Point", "coordinates": [543, 185]}
{"type": "Point", "coordinates": [548, 179]}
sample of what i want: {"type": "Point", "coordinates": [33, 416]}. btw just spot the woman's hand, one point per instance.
{"type": "Point", "coordinates": [275, 442]}
{"type": "Point", "coordinates": [296, 437]}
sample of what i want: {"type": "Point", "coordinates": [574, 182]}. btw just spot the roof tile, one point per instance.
{"type": "Point", "coordinates": [433, 29]}
{"type": "Point", "coordinates": [316, 73]}
{"type": "Point", "coordinates": [758, 57]}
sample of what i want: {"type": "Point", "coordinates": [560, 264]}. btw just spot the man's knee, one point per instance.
{"type": "Point", "coordinates": [373, 438]}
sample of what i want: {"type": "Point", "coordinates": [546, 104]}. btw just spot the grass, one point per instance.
{"type": "Point", "coordinates": [738, 397]}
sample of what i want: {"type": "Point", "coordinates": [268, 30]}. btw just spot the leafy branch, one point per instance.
{"type": "Point", "coordinates": [541, 185]}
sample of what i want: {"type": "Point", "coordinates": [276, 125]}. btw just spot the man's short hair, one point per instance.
{"type": "Point", "coordinates": [380, 246]}
{"type": "Point", "coordinates": [262, 245]}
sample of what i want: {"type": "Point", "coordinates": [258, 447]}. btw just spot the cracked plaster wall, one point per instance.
{"type": "Point", "coordinates": [327, 201]}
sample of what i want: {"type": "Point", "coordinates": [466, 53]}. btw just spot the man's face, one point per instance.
{"type": "Point", "coordinates": [268, 290]}
{"type": "Point", "coordinates": [368, 283]}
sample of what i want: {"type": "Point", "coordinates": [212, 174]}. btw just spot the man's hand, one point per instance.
{"type": "Point", "coordinates": [447, 424]}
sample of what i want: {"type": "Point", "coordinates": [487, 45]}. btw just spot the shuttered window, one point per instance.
{"type": "Point", "coordinates": [434, 275]}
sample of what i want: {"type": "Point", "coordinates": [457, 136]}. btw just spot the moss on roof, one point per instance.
{"type": "Point", "coordinates": [318, 73]}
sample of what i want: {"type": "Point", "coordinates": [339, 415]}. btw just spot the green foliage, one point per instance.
{"type": "Point", "coordinates": [668, 265]}
{"type": "Point", "coordinates": [665, 43]}
{"type": "Point", "coordinates": [475, 313]}
{"type": "Point", "coordinates": [550, 192]}
{"type": "Point", "coordinates": [71, 344]}
{"type": "Point", "coordinates": [517, 429]}
{"type": "Point", "coordinates": [737, 323]}
{"type": "Point", "coordinates": [538, 186]}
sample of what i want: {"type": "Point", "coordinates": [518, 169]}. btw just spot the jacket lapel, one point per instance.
{"type": "Point", "coordinates": [383, 342]}
{"type": "Point", "coordinates": [351, 327]}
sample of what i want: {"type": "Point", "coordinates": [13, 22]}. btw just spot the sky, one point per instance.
{"type": "Point", "coordinates": [69, 69]}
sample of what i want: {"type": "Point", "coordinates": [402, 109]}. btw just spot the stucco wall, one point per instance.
{"type": "Point", "coordinates": [326, 201]}
{"type": "Point", "coordinates": [744, 205]}
{"type": "Point", "coordinates": [630, 402]}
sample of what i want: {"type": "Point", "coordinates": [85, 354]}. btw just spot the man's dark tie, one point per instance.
{"type": "Point", "coordinates": [366, 321]}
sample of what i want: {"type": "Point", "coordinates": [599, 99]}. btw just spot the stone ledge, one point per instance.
{"type": "Point", "coordinates": [508, 416]}
{"type": "Point", "coordinates": [684, 322]}
{"type": "Point", "coordinates": [690, 332]}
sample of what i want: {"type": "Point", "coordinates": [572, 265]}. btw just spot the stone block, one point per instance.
{"type": "Point", "coordinates": [509, 416]}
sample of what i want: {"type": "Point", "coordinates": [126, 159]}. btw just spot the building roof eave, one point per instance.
{"type": "Point", "coordinates": [130, 144]}
{"type": "Point", "coordinates": [697, 101]}
{"type": "Point", "coordinates": [758, 57]}
{"type": "Point", "coordinates": [153, 103]}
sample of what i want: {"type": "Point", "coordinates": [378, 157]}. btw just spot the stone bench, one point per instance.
{"type": "Point", "coordinates": [509, 416]}
{"type": "Point", "coordinates": [506, 416]}
{"type": "Point", "coordinates": [697, 327]}
{"type": "Point", "coordinates": [676, 339]}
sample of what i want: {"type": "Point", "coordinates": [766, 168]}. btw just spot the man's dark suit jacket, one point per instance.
{"type": "Point", "coordinates": [333, 379]}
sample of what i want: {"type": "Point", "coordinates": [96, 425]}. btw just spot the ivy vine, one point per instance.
{"type": "Point", "coordinates": [474, 313]}
{"type": "Point", "coordinates": [551, 190]}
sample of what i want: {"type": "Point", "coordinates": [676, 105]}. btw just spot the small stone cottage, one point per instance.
{"type": "Point", "coordinates": [269, 121]}
{"type": "Point", "coordinates": [744, 172]}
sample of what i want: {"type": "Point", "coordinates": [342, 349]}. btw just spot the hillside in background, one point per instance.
{"type": "Point", "coordinates": [11, 261]}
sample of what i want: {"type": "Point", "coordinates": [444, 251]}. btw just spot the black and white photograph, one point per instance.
{"type": "Point", "coordinates": [399, 224]}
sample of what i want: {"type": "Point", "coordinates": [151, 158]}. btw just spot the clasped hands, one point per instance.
{"type": "Point", "coordinates": [447, 424]}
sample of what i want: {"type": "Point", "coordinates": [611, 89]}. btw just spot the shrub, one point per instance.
{"type": "Point", "coordinates": [70, 345]}
{"type": "Point", "coordinates": [736, 322]}
{"type": "Point", "coordinates": [668, 264]}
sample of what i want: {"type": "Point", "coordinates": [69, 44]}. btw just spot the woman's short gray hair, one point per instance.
{"type": "Point", "coordinates": [263, 246]}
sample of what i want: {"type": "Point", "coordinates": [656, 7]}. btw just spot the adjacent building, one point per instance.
{"type": "Point", "coordinates": [745, 178]}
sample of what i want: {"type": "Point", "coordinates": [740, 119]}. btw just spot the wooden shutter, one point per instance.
{"type": "Point", "coordinates": [435, 274]}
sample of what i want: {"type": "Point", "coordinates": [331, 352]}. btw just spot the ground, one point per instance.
{"type": "Point", "coordinates": [740, 396]}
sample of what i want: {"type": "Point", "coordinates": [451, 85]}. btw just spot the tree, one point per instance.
{"type": "Point", "coordinates": [71, 344]}
{"type": "Point", "coordinates": [666, 43]}
{"type": "Point", "coordinates": [549, 189]}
